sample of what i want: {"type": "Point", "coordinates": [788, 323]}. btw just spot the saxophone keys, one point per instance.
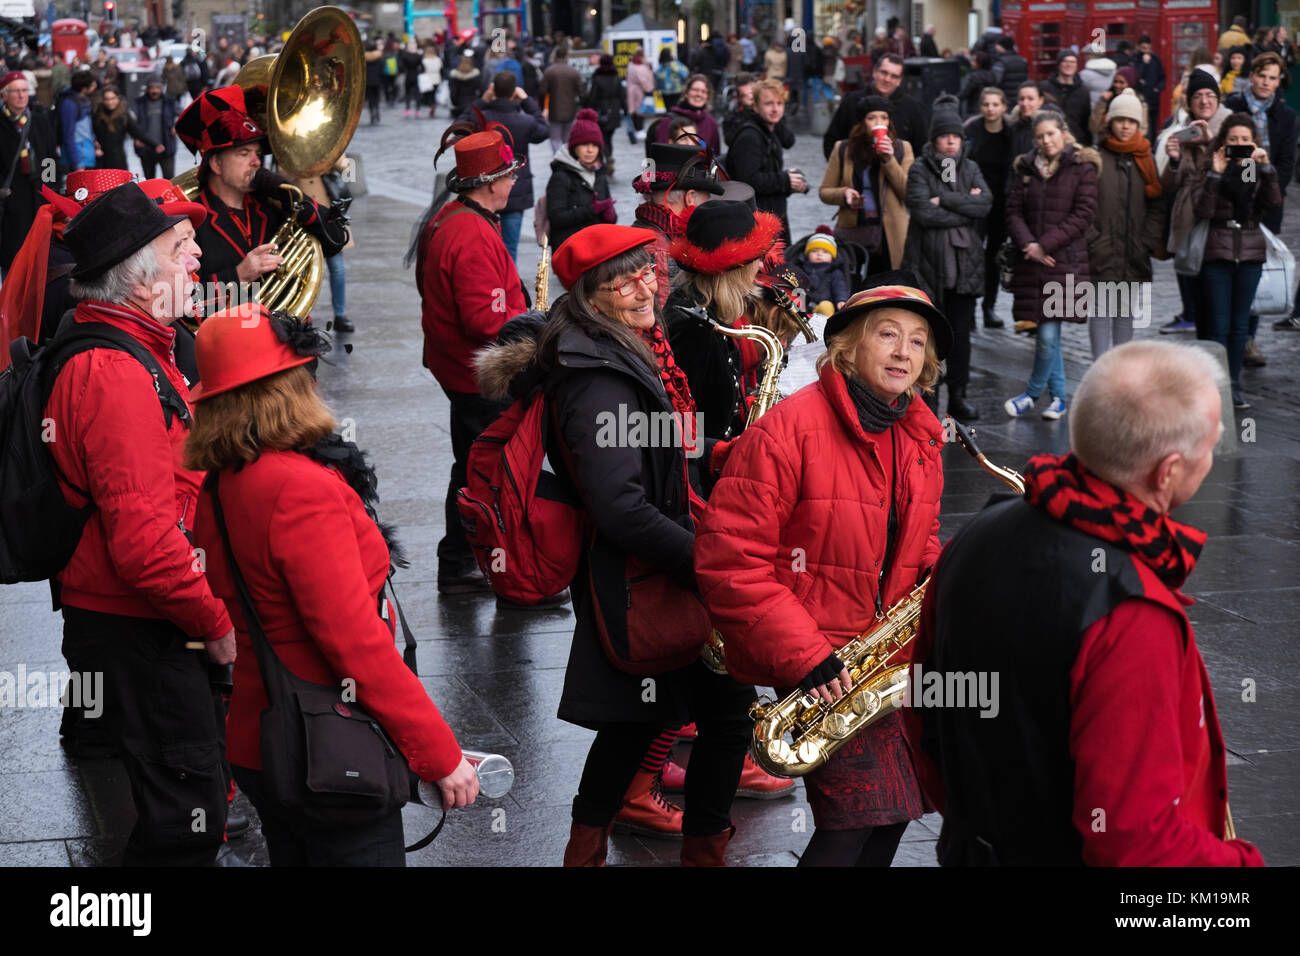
{"type": "Point", "coordinates": [808, 752]}
{"type": "Point", "coordinates": [835, 725]}
{"type": "Point", "coordinates": [778, 751]}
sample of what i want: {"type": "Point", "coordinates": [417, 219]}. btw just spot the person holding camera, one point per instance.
{"type": "Point", "coordinates": [757, 153]}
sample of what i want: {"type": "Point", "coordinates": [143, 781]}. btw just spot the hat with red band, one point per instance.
{"type": "Point", "coordinates": [84, 187]}
{"type": "Point", "coordinates": [218, 119]}
{"type": "Point", "coordinates": [896, 289]}
{"type": "Point", "coordinates": [172, 201]}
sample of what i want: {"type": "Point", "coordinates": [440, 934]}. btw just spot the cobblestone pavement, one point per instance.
{"type": "Point", "coordinates": [496, 674]}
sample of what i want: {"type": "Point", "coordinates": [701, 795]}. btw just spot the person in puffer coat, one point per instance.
{"type": "Point", "coordinates": [577, 194]}
{"type": "Point", "coordinates": [947, 198]}
{"type": "Point", "coordinates": [1051, 204]}
{"type": "Point", "coordinates": [825, 516]}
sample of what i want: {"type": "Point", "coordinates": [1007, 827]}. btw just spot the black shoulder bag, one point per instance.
{"type": "Point", "coordinates": [322, 757]}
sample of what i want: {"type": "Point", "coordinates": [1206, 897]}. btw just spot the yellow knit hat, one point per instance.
{"type": "Point", "coordinates": [822, 241]}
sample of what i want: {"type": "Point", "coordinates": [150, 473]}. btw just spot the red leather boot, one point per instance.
{"type": "Point", "coordinates": [708, 850]}
{"type": "Point", "coordinates": [646, 810]}
{"type": "Point", "coordinates": [757, 784]}
{"type": "Point", "coordinates": [587, 845]}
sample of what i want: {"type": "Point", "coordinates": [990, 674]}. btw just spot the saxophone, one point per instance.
{"type": "Point", "coordinates": [712, 653]}
{"type": "Point", "coordinates": [877, 662]}
{"type": "Point", "coordinates": [543, 276]}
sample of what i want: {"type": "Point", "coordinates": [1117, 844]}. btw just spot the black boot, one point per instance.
{"type": "Point", "coordinates": [959, 408]}
{"type": "Point", "coordinates": [991, 321]}
{"type": "Point", "coordinates": [343, 324]}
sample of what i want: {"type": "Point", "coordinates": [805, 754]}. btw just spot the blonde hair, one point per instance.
{"type": "Point", "coordinates": [726, 294]}
{"type": "Point", "coordinates": [775, 87]}
{"type": "Point", "coordinates": [840, 351]}
{"type": "Point", "coordinates": [281, 412]}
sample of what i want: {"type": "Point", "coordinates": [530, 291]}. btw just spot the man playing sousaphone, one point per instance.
{"type": "Point", "coordinates": [235, 189]}
{"type": "Point", "coordinates": [826, 514]}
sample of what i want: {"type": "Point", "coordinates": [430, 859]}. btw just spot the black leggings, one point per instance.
{"type": "Point", "coordinates": [870, 846]}
{"type": "Point", "coordinates": [720, 707]}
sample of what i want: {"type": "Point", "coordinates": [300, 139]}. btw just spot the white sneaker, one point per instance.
{"type": "Point", "coordinates": [1055, 410]}
{"type": "Point", "coordinates": [1020, 406]}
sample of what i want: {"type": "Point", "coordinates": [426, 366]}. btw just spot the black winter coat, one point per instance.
{"type": "Point", "coordinates": [1055, 213]}
{"type": "Point", "coordinates": [527, 125]}
{"type": "Point", "coordinates": [569, 198]}
{"type": "Point", "coordinates": [18, 212]}
{"type": "Point", "coordinates": [756, 157]}
{"type": "Point", "coordinates": [608, 97]}
{"type": "Point", "coordinates": [1075, 102]}
{"type": "Point", "coordinates": [972, 88]}
{"type": "Point", "coordinates": [112, 142]}
{"type": "Point", "coordinates": [905, 112]}
{"type": "Point", "coordinates": [930, 225]}
{"type": "Point", "coordinates": [637, 499]}
{"type": "Point", "coordinates": [713, 365]}
{"type": "Point", "coordinates": [1281, 147]}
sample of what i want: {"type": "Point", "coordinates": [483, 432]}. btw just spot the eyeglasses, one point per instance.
{"type": "Point", "coordinates": [646, 277]}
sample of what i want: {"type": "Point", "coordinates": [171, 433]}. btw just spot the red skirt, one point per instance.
{"type": "Point", "coordinates": [871, 781]}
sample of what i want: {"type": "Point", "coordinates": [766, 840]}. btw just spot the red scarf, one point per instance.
{"type": "Point", "coordinates": [1074, 496]}
{"type": "Point", "coordinates": [678, 388]}
{"type": "Point", "coordinates": [1140, 150]}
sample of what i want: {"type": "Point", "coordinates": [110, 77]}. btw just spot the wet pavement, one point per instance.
{"type": "Point", "coordinates": [496, 674]}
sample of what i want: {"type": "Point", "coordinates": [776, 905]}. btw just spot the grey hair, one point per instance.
{"type": "Point", "coordinates": [1138, 403]}
{"type": "Point", "coordinates": [117, 283]}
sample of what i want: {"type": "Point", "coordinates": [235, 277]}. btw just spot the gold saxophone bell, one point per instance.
{"type": "Point", "coordinates": [308, 98]}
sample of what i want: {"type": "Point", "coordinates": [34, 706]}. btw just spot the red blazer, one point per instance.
{"type": "Point", "coordinates": [469, 287]}
{"type": "Point", "coordinates": [315, 564]}
{"type": "Point", "coordinates": [110, 438]}
{"type": "Point", "coordinates": [788, 552]}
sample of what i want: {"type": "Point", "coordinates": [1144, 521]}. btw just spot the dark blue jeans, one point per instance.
{"type": "Point", "coordinates": [1229, 291]}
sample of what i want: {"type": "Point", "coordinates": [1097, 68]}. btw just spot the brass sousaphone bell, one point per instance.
{"type": "Point", "coordinates": [308, 98]}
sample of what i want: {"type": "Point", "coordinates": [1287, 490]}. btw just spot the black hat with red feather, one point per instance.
{"type": "Point", "coordinates": [722, 235]}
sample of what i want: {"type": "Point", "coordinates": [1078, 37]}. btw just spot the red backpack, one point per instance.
{"type": "Point", "coordinates": [526, 530]}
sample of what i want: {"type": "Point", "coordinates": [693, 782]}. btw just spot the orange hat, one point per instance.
{"type": "Point", "coordinates": [588, 248]}
{"type": "Point", "coordinates": [244, 343]}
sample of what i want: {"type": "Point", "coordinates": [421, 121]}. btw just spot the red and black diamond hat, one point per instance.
{"type": "Point", "coordinates": [218, 119]}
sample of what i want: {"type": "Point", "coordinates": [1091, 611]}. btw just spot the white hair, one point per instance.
{"type": "Point", "coordinates": [118, 283]}
{"type": "Point", "coordinates": [1138, 403]}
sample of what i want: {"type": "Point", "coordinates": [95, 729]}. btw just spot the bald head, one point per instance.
{"type": "Point", "coordinates": [1141, 405]}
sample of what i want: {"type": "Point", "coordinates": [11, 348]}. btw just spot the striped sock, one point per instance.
{"type": "Point", "coordinates": [655, 757]}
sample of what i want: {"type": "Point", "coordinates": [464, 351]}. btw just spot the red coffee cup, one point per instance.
{"type": "Point", "coordinates": [880, 133]}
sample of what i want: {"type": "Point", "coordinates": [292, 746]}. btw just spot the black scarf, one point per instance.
{"type": "Point", "coordinates": [350, 461]}
{"type": "Point", "coordinates": [1238, 190]}
{"type": "Point", "coordinates": [486, 214]}
{"type": "Point", "coordinates": [874, 415]}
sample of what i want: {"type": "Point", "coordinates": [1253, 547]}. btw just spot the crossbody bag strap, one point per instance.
{"type": "Point", "coordinates": [18, 155]}
{"type": "Point", "coordinates": [274, 673]}
{"type": "Point", "coordinates": [408, 655]}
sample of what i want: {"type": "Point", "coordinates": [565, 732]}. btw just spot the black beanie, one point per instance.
{"type": "Point", "coordinates": [874, 103]}
{"type": "Point", "coordinates": [945, 120]}
{"type": "Point", "coordinates": [1201, 80]}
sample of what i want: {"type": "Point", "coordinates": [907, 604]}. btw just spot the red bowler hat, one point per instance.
{"type": "Point", "coordinates": [244, 343]}
{"type": "Point", "coordinates": [84, 187]}
{"type": "Point", "coordinates": [216, 120]}
{"type": "Point", "coordinates": [588, 248]}
{"type": "Point", "coordinates": [172, 201]}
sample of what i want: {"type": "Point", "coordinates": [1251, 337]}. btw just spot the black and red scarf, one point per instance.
{"type": "Point", "coordinates": [1074, 496]}
{"type": "Point", "coordinates": [671, 224]}
{"type": "Point", "coordinates": [678, 388]}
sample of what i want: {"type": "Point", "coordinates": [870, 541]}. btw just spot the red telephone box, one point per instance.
{"type": "Point", "coordinates": [68, 35]}
{"type": "Point", "coordinates": [1125, 20]}
{"type": "Point", "coordinates": [1187, 25]}
{"type": "Point", "coordinates": [1042, 28]}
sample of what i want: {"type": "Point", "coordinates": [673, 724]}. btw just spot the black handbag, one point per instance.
{"type": "Point", "coordinates": [323, 757]}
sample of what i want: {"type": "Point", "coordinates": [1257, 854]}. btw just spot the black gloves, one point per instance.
{"type": "Point", "coordinates": [825, 672]}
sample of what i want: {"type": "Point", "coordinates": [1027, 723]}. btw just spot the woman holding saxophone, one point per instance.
{"type": "Point", "coordinates": [826, 514]}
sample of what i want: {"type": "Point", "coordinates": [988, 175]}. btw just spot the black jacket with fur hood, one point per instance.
{"type": "Point", "coordinates": [636, 496]}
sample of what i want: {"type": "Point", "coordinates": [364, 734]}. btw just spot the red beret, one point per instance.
{"type": "Point", "coordinates": [589, 247]}
{"type": "Point", "coordinates": [11, 76]}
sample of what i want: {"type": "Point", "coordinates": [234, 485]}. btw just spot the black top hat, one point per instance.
{"type": "Point", "coordinates": [112, 228]}
{"type": "Point", "coordinates": [679, 167]}
{"type": "Point", "coordinates": [896, 289]}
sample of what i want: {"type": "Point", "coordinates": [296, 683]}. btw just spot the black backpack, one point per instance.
{"type": "Point", "coordinates": [39, 530]}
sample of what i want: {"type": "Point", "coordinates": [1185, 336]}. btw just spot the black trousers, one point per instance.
{"type": "Point", "coordinates": [720, 708]}
{"type": "Point", "coordinates": [292, 842]}
{"type": "Point", "coordinates": [470, 414]}
{"type": "Point", "coordinates": [997, 224]}
{"type": "Point", "coordinates": [372, 101]}
{"type": "Point", "coordinates": [158, 713]}
{"type": "Point", "coordinates": [152, 162]}
{"type": "Point", "coordinates": [960, 311]}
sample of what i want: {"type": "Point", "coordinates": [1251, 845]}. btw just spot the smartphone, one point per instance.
{"type": "Point", "coordinates": [1190, 135]}
{"type": "Point", "coordinates": [1242, 151]}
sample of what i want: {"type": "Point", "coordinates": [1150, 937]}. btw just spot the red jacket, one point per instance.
{"type": "Point", "coordinates": [315, 564]}
{"type": "Point", "coordinates": [469, 287]}
{"type": "Point", "coordinates": [788, 553]}
{"type": "Point", "coordinates": [111, 439]}
{"type": "Point", "coordinates": [1145, 738]}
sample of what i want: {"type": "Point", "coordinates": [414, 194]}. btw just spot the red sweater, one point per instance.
{"type": "Point", "coordinates": [315, 564]}
{"type": "Point", "coordinates": [1147, 747]}
{"type": "Point", "coordinates": [111, 439]}
{"type": "Point", "coordinates": [469, 288]}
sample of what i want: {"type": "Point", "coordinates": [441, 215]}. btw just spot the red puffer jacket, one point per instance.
{"type": "Point", "coordinates": [315, 564]}
{"type": "Point", "coordinates": [469, 287]}
{"type": "Point", "coordinates": [788, 553]}
{"type": "Point", "coordinates": [112, 440]}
